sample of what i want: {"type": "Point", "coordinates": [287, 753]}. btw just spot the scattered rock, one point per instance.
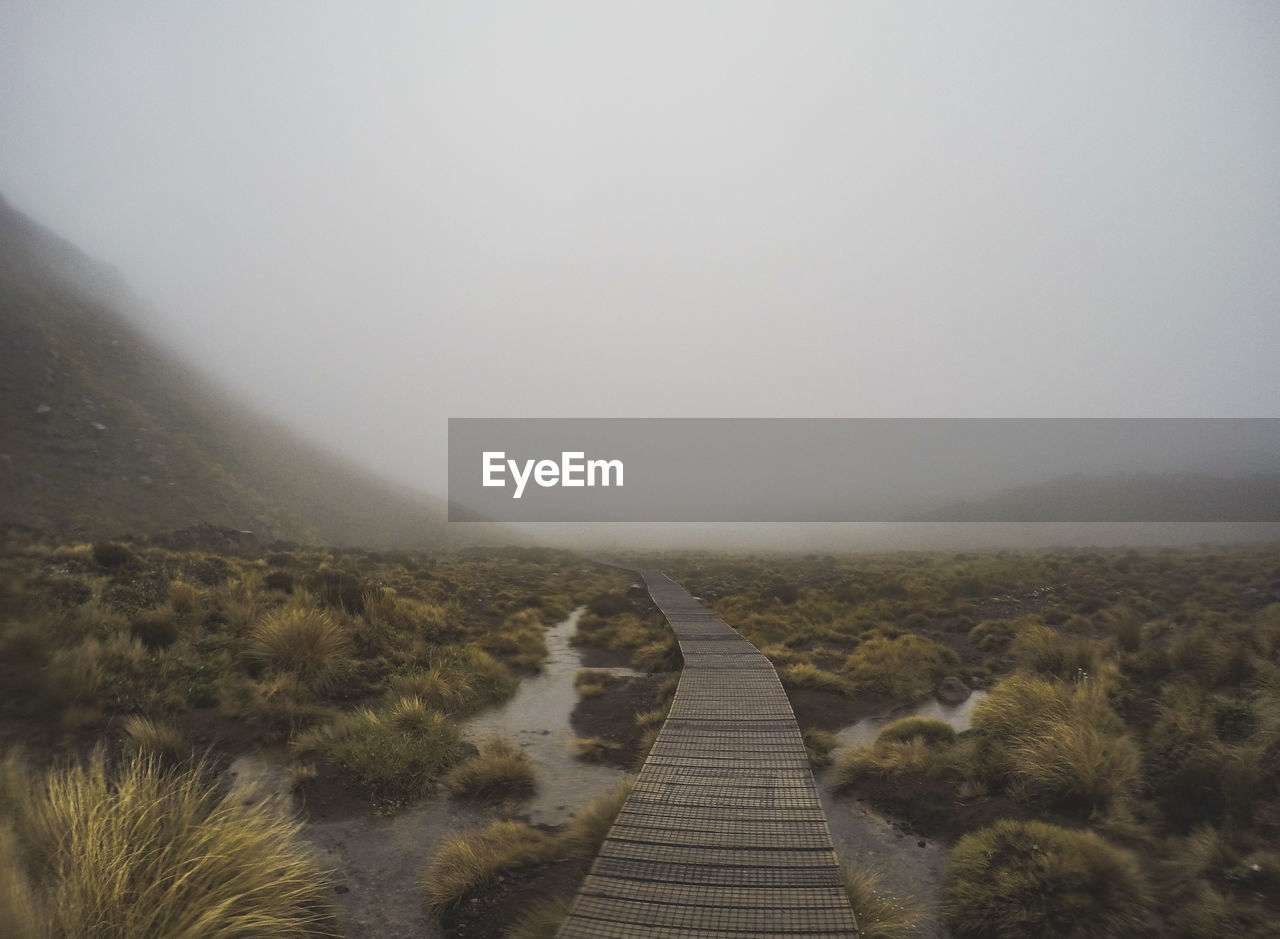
{"type": "Point", "coordinates": [951, 690]}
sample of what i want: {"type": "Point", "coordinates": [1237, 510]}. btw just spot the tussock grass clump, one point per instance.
{"type": "Point", "coordinates": [882, 758]}
{"type": "Point", "coordinates": [500, 771]}
{"type": "Point", "coordinates": [308, 643]}
{"type": "Point", "coordinates": [807, 675]}
{"type": "Point", "coordinates": [437, 687]}
{"type": "Point", "coordinates": [520, 641]}
{"type": "Point", "coordinates": [147, 852]}
{"type": "Point", "coordinates": [1017, 879]}
{"type": "Point", "coordinates": [907, 667]}
{"type": "Point", "coordinates": [147, 738]}
{"type": "Point", "coordinates": [472, 860]}
{"type": "Point", "coordinates": [396, 753]}
{"type": "Point", "coordinates": [487, 678]}
{"type": "Point", "coordinates": [879, 915]}
{"type": "Point", "coordinates": [995, 635]}
{"type": "Point", "coordinates": [818, 745]}
{"type": "Point", "coordinates": [1045, 652]}
{"type": "Point", "coordinates": [591, 683]}
{"type": "Point", "coordinates": [660, 656]}
{"type": "Point", "coordinates": [928, 729]}
{"type": "Point", "coordinates": [1067, 761]}
{"type": "Point", "coordinates": [1061, 742]}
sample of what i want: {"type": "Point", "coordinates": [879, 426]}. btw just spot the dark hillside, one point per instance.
{"type": "Point", "coordinates": [102, 431]}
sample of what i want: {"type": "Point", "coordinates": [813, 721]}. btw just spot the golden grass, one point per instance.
{"type": "Point", "coordinates": [882, 758]}
{"type": "Point", "coordinates": [807, 675]}
{"type": "Point", "coordinates": [907, 667]}
{"type": "Point", "coordinates": [465, 863]}
{"type": "Point", "coordinates": [819, 744]}
{"type": "Point", "coordinates": [471, 861]}
{"type": "Point", "coordinates": [591, 683]}
{"type": "Point", "coordinates": [879, 915]}
{"type": "Point", "coordinates": [308, 643]}
{"type": "Point", "coordinates": [439, 687]}
{"type": "Point", "coordinates": [500, 771]}
{"type": "Point", "coordinates": [1066, 760]}
{"type": "Point", "coordinates": [148, 738]}
{"type": "Point", "coordinates": [928, 729]}
{"type": "Point", "coordinates": [397, 753]}
{"type": "Point", "coordinates": [146, 852]}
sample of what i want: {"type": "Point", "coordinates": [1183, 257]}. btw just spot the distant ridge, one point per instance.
{"type": "Point", "coordinates": [1132, 497]}
{"type": "Point", "coordinates": [104, 432]}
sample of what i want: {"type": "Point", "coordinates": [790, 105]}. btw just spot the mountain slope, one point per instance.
{"type": "Point", "coordinates": [104, 432]}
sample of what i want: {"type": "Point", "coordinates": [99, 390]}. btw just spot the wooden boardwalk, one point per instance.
{"type": "Point", "coordinates": [724, 834]}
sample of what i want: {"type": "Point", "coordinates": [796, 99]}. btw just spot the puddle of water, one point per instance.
{"type": "Point", "coordinates": [865, 730]}
{"type": "Point", "coordinates": [537, 719]}
{"type": "Point", "coordinates": [378, 863]}
{"type": "Point", "coordinates": [866, 838]}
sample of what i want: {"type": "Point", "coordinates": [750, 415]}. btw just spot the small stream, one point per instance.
{"type": "Point", "coordinates": [378, 863]}
{"type": "Point", "coordinates": [908, 865]}
{"type": "Point", "coordinates": [537, 719]}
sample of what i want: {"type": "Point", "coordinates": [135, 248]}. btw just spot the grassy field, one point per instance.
{"type": "Point", "coordinates": [1121, 775]}
{"type": "Point", "coordinates": [130, 674]}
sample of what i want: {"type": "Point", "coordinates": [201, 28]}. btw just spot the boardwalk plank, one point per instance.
{"type": "Point", "coordinates": [724, 834]}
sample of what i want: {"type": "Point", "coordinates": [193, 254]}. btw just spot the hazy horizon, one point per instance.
{"type": "Point", "coordinates": [364, 221]}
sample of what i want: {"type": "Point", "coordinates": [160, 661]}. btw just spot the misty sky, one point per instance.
{"type": "Point", "coordinates": [370, 217]}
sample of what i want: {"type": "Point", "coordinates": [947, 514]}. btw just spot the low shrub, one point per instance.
{"type": "Point", "coordinates": [1017, 879]}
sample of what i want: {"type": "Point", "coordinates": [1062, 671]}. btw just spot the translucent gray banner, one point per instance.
{"type": "Point", "coordinates": [864, 470]}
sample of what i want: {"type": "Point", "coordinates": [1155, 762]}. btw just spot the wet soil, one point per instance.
{"type": "Point", "coordinates": [829, 711]}
{"type": "Point", "coordinates": [611, 717]}
{"type": "Point", "coordinates": [492, 913]}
